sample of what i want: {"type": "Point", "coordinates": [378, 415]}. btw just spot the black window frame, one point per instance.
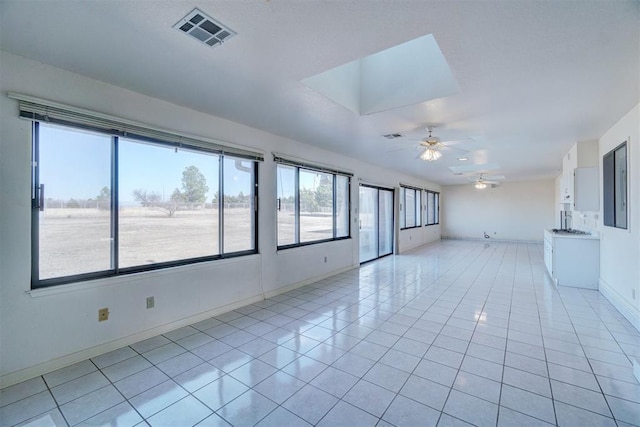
{"type": "Point", "coordinates": [37, 204]}
{"type": "Point", "coordinates": [417, 204]}
{"type": "Point", "coordinates": [436, 213]}
{"type": "Point", "coordinates": [610, 203]}
{"type": "Point", "coordinates": [307, 167]}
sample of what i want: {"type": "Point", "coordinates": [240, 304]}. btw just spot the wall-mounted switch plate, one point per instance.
{"type": "Point", "coordinates": [151, 302]}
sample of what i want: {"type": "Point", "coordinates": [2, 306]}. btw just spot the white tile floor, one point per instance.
{"type": "Point", "coordinates": [454, 333]}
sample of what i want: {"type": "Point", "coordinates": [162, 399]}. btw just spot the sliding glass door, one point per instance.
{"type": "Point", "coordinates": [376, 222]}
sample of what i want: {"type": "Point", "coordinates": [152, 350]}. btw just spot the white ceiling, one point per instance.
{"type": "Point", "coordinates": [534, 76]}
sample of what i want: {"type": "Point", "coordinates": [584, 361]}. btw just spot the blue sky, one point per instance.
{"type": "Point", "coordinates": [76, 164]}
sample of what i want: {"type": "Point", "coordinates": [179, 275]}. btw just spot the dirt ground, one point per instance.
{"type": "Point", "coordinates": [75, 241]}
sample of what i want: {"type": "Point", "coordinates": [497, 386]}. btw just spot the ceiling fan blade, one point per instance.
{"type": "Point", "coordinates": [457, 141]}
{"type": "Point", "coordinates": [447, 147]}
{"type": "Point", "coordinates": [395, 150]}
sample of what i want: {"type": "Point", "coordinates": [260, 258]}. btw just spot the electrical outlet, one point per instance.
{"type": "Point", "coordinates": [633, 294]}
{"type": "Point", "coordinates": [325, 260]}
{"type": "Point", "coordinates": [151, 302]}
{"type": "Point", "coordinates": [103, 314]}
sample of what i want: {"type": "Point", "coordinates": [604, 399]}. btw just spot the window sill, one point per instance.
{"type": "Point", "coordinates": [127, 279]}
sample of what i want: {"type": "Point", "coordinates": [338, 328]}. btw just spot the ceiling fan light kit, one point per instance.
{"type": "Point", "coordinates": [481, 183]}
{"type": "Point", "coordinates": [430, 154]}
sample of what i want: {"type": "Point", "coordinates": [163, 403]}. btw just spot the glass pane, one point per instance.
{"type": "Point", "coordinates": [437, 208]}
{"type": "Point", "coordinates": [403, 207]}
{"type": "Point", "coordinates": [385, 222]}
{"type": "Point", "coordinates": [418, 207]}
{"type": "Point", "coordinates": [431, 213]}
{"type": "Point", "coordinates": [75, 225]}
{"type": "Point", "coordinates": [621, 186]}
{"type": "Point", "coordinates": [168, 204]}
{"type": "Point", "coordinates": [342, 208]}
{"type": "Point", "coordinates": [608, 189]}
{"type": "Point", "coordinates": [286, 205]}
{"type": "Point", "coordinates": [410, 211]}
{"type": "Point", "coordinates": [239, 213]}
{"type": "Point", "coordinates": [368, 223]}
{"type": "Point", "coordinates": [316, 206]}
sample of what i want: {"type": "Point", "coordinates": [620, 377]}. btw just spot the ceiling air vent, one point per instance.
{"type": "Point", "coordinates": [393, 135]}
{"type": "Point", "coordinates": [204, 28]}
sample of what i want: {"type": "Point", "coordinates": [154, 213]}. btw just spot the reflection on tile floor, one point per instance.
{"type": "Point", "coordinates": [453, 333]}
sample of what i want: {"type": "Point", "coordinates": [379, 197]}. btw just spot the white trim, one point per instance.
{"type": "Point", "coordinates": [285, 159]}
{"type": "Point", "coordinates": [128, 279]}
{"type": "Point", "coordinates": [371, 183]}
{"type": "Point", "coordinates": [108, 123]}
{"type": "Point", "coordinates": [631, 313]}
{"type": "Point", "coordinates": [492, 240]}
{"type": "Point", "coordinates": [306, 282]}
{"type": "Point", "coordinates": [415, 248]}
{"type": "Point", "coordinates": [63, 361]}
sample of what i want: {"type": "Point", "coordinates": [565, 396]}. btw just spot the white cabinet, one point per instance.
{"type": "Point", "coordinates": [572, 260]}
{"type": "Point", "coordinates": [569, 163]}
{"type": "Point", "coordinates": [586, 193]}
{"type": "Point", "coordinates": [567, 181]}
{"type": "Point", "coordinates": [579, 184]}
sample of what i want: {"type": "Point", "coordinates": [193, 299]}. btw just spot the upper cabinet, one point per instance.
{"type": "Point", "coordinates": [579, 183]}
{"type": "Point", "coordinates": [586, 197]}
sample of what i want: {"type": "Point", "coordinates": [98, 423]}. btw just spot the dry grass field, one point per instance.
{"type": "Point", "coordinates": [76, 241]}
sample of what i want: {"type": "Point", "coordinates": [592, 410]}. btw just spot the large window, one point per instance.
{"type": "Point", "coordinates": [105, 205]}
{"type": "Point", "coordinates": [410, 207]}
{"type": "Point", "coordinates": [433, 208]}
{"type": "Point", "coordinates": [312, 204]}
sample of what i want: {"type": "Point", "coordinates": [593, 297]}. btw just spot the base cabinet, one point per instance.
{"type": "Point", "coordinates": [572, 260]}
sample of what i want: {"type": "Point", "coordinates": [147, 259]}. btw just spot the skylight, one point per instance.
{"type": "Point", "coordinates": [412, 72]}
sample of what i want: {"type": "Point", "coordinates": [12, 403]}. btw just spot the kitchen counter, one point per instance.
{"type": "Point", "coordinates": [562, 234]}
{"type": "Point", "coordinates": [572, 259]}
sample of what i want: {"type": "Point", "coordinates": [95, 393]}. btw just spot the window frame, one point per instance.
{"type": "Point", "coordinates": [417, 208]}
{"type": "Point", "coordinates": [436, 213]}
{"type": "Point", "coordinates": [611, 204]}
{"type": "Point", "coordinates": [116, 270]}
{"type": "Point", "coordinates": [334, 217]}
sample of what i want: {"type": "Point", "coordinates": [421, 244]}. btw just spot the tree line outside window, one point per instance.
{"type": "Point", "coordinates": [106, 205]}
{"type": "Point", "coordinates": [312, 205]}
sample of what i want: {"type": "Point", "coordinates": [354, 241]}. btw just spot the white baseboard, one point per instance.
{"type": "Point", "coordinates": [492, 240]}
{"type": "Point", "coordinates": [306, 282]}
{"type": "Point", "coordinates": [631, 313]}
{"type": "Point", "coordinates": [69, 359]}
{"type": "Point", "coordinates": [64, 361]}
{"type": "Point", "coordinates": [416, 248]}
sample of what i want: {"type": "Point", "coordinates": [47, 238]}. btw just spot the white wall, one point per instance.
{"type": "Point", "coordinates": [415, 237]}
{"type": "Point", "coordinates": [511, 211]}
{"type": "Point", "coordinates": [49, 328]}
{"type": "Point", "coordinates": [556, 199]}
{"type": "Point", "coordinates": [620, 249]}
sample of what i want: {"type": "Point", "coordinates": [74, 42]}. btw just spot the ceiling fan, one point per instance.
{"type": "Point", "coordinates": [482, 182]}
{"type": "Point", "coordinates": [431, 147]}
